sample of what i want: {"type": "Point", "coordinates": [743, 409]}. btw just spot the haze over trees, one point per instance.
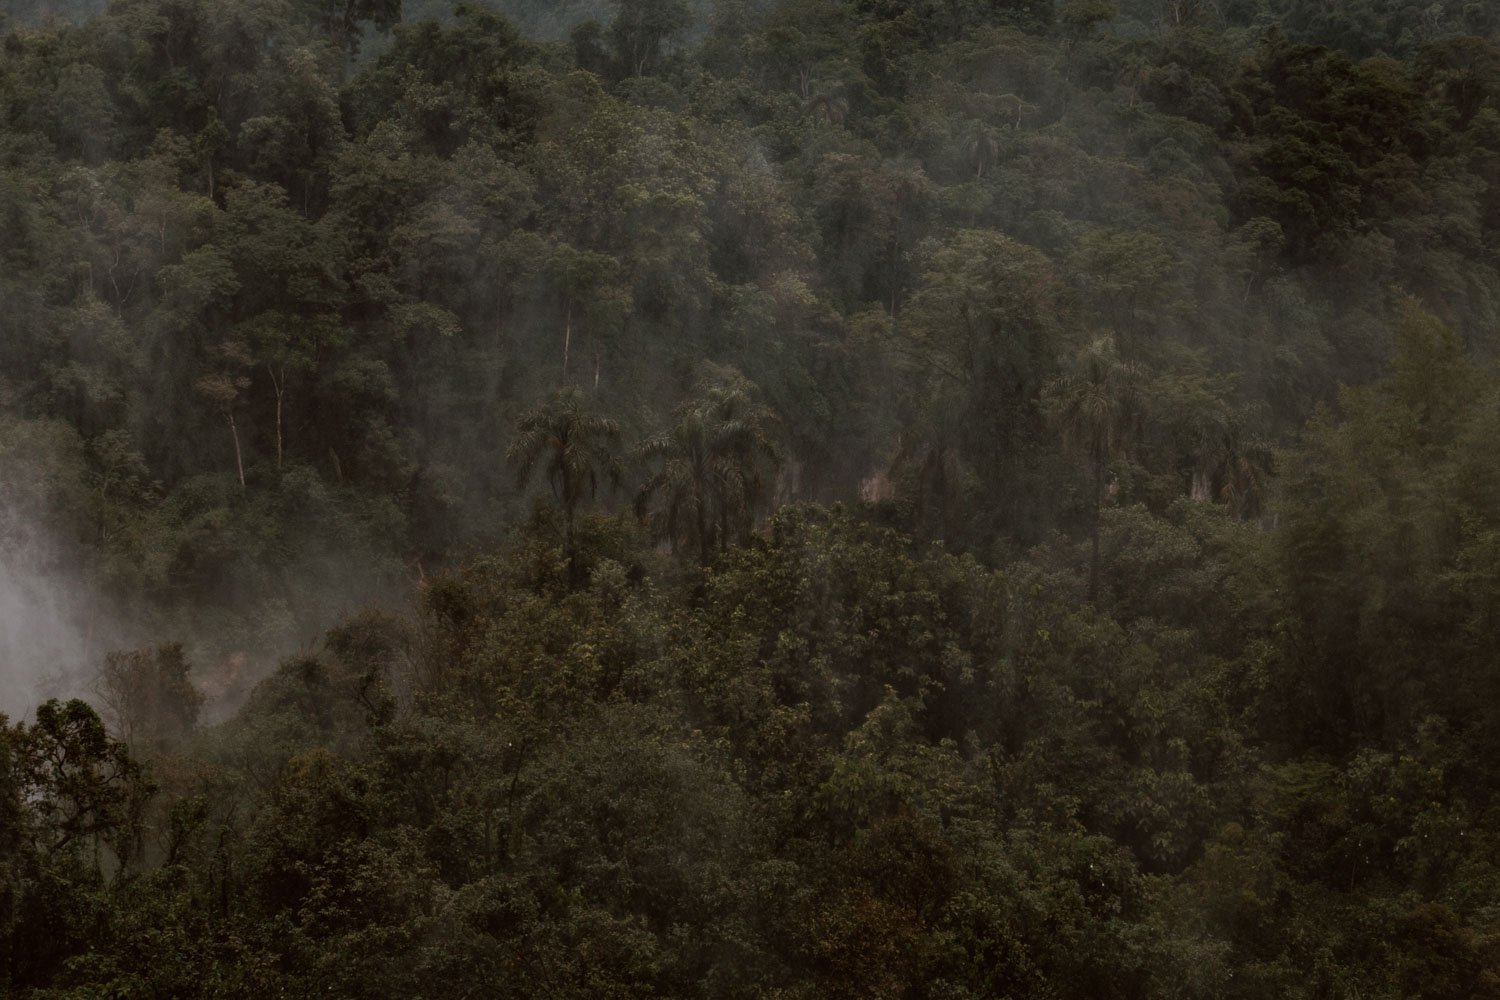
{"type": "Point", "coordinates": [796, 498]}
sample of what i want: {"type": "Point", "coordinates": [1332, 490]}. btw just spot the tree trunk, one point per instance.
{"type": "Point", "coordinates": [567, 340]}
{"type": "Point", "coordinates": [1201, 488]}
{"type": "Point", "coordinates": [277, 384]}
{"type": "Point", "coordinates": [702, 535]}
{"type": "Point", "coordinates": [568, 553]}
{"type": "Point", "coordinates": [239, 458]}
{"type": "Point", "coordinates": [895, 258]}
{"type": "Point", "coordinates": [1094, 533]}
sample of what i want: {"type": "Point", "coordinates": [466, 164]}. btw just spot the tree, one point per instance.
{"type": "Point", "coordinates": [979, 340]}
{"type": "Point", "coordinates": [981, 146]}
{"type": "Point", "coordinates": [1126, 278]}
{"type": "Point", "coordinates": [1238, 471]}
{"type": "Point", "coordinates": [573, 446]}
{"type": "Point", "coordinates": [714, 467]}
{"type": "Point", "coordinates": [222, 388]}
{"type": "Point", "coordinates": [829, 105]}
{"type": "Point", "coordinates": [644, 31]}
{"type": "Point", "coordinates": [67, 791]}
{"type": "Point", "coordinates": [1391, 533]}
{"type": "Point", "coordinates": [583, 288]}
{"type": "Point", "coordinates": [149, 695]}
{"type": "Point", "coordinates": [871, 211]}
{"type": "Point", "coordinates": [342, 22]}
{"type": "Point", "coordinates": [287, 349]}
{"type": "Point", "coordinates": [1095, 406]}
{"type": "Point", "coordinates": [78, 783]}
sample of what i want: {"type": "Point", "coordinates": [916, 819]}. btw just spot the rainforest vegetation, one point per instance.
{"type": "Point", "coordinates": [759, 498]}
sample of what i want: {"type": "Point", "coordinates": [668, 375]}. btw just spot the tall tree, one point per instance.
{"type": "Point", "coordinates": [149, 696]}
{"type": "Point", "coordinates": [714, 464]}
{"type": "Point", "coordinates": [644, 31]}
{"type": "Point", "coordinates": [223, 387]}
{"type": "Point", "coordinates": [979, 340]}
{"type": "Point", "coordinates": [573, 446]}
{"type": "Point", "coordinates": [1095, 406]}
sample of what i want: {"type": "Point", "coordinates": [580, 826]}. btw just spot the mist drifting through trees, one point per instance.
{"type": "Point", "coordinates": [750, 498]}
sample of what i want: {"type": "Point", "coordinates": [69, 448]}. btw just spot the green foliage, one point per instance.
{"type": "Point", "coordinates": [72, 798]}
{"type": "Point", "coordinates": [1389, 526]}
{"type": "Point", "coordinates": [573, 448]}
{"type": "Point", "coordinates": [149, 695]}
{"type": "Point", "coordinates": [1066, 554]}
{"type": "Point", "coordinates": [713, 476]}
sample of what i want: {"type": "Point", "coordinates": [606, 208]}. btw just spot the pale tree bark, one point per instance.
{"type": "Point", "coordinates": [1094, 532]}
{"type": "Point", "coordinates": [278, 382]}
{"type": "Point", "coordinates": [239, 458]}
{"type": "Point", "coordinates": [567, 340]}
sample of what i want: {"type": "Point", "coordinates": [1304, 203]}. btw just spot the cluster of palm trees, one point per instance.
{"type": "Point", "coordinates": [1099, 406]}
{"type": "Point", "coordinates": [709, 473]}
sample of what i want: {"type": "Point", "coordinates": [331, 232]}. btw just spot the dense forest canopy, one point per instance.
{"type": "Point", "coordinates": [765, 498]}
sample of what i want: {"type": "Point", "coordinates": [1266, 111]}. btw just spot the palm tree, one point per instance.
{"type": "Point", "coordinates": [1227, 466]}
{"type": "Point", "coordinates": [573, 445]}
{"type": "Point", "coordinates": [1095, 406]}
{"type": "Point", "coordinates": [828, 105]}
{"type": "Point", "coordinates": [714, 464]}
{"type": "Point", "coordinates": [682, 484]}
{"type": "Point", "coordinates": [932, 473]}
{"type": "Point", "coordinates": [1241, 469]}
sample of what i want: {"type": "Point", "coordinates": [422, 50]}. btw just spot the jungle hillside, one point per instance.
{"type": "Point", "coordinates": [792, 499]}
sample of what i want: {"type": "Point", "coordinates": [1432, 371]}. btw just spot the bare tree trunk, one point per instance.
{"type": "Point", "coordinates": [279, 385]}
{"type": "Point", "coordinates": [895, 257]}
{"type": "Point", "coordinates": [239, 458]}
{"type": "Point", "coordinates": [1201, 488]}
{"type": "Point", "coordinates": [567, 340]}
{"type": "Point", "coordinates": [1094, 533]}
{"type": "Point", "coordinates": [570, 546]}
{"type": "Point", "coordinates": [702, 536]}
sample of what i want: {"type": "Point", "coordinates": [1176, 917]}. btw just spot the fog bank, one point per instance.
{"type": "Point", "coordinates": [51, 632]}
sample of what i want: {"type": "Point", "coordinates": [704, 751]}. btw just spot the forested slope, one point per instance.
{"type": "Point", "coordinates": [790, 499]}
